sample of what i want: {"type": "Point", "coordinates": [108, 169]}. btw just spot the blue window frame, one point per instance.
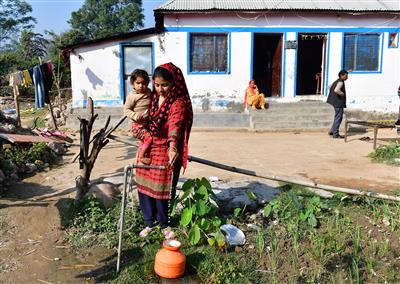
{"type": "Point", "coordinates": [208, 53]}
{"type": "Point", "coordinates": [134, 55]}
{"type": "Point", "coordinates": [361, 52]}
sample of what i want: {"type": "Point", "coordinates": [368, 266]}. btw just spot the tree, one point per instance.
{"type": "Point", "coordinates": [98, 19]}
{"type": "Point", "coordinates": [13, 18]}
{"type": "Point", "coordinates": [32, 44]}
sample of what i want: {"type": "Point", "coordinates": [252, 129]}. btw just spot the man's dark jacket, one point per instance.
{"type": "Point", "coordinates": [334, 99]}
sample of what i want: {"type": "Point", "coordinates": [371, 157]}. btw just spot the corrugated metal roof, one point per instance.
{"type": "Point", "coordinates": [257, 5]}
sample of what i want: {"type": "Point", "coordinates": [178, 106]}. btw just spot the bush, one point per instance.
{"type": "Point", "coordinates": [20, 155]}
{"type": "Point", "coordinates": [387, 154]}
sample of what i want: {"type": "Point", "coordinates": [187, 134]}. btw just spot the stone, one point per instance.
{"type": "Point", "coordinates": [58, 148]}
{"type": "Point", "coordinates": [253, 227]}
{"type": "Point", "coordinates": [13, 177]}
{"type": "Point", "coordinates": [30, 168]}
{"type": "Point", "coordinates": [117, 180]}
{"type": "Point", "coordinates": [39, 163]}
{"type": "Point", "coordinates": [320, 192]}
{"type": "Point", "coordinates": [232, 194]}
{"type": "Point", "coordinates": [7, 128]}
{"type": "Point", "coordinates": [106, 193]}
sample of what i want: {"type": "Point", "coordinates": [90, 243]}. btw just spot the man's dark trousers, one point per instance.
{"type": "Point", "coordinates": [337, 121]}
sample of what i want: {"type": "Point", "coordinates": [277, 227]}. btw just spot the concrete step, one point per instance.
{"type": "Point", "coordinates": [213, 119]}
{"type": "Point", "coordinates": [292, 117]}
{"type": "Point", "coordinates": [292, 125]}
{"type": "Point", "coordinates": [302, 115]}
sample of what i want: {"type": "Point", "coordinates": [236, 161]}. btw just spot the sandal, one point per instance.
{"type": "Point", "coordinates": [145, 232]}
{"type": "Point", "coordinates": [168, 233]}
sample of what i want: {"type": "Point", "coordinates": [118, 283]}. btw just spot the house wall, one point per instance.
{"type": "Point", "coordinates": [89, 78]}
{"type": "Point", "coordinates": [370, 91]}
{"type": "Point", "coordinates": [96, 72]}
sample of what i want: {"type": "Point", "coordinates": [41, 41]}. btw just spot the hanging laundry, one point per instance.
{"type": "Point", "coordinates": [27, 81]}
{"type": "Point", "coordinates": [50, 67]}
{"type": "Point", "coordinates": [39, 87]}
{"type": "Point", "coordinates": [47, 81]}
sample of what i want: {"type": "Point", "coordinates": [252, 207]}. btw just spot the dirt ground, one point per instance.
{"type": "Point", "coordinates": [32, 247]}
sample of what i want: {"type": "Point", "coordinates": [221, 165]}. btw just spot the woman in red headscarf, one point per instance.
{"type": "Point", "coordinates": [170, 122]}
{"type": "Point", "coordinates": [253, 98]}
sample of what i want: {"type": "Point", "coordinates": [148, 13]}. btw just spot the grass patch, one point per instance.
{"type": "Point", "coordinates": [387, 154]}
{"type": "Point", "coordinates": [297, 238]}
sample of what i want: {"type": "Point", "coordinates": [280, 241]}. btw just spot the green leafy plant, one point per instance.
{"type": "Point", "coordinates": [199, 217]}
{"type": "Point", "coordinates": [387, 154]}
{"type": "Point", "coordinates": [289, 207]}
{"type": "Point", "coordinates": [21, 155]}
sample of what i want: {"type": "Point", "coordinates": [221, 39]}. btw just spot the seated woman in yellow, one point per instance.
{"type": "Point", "coordinates": [253, 98]}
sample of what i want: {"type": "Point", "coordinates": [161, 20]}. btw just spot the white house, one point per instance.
{"type": "Point", "coordinates": [293, 49]}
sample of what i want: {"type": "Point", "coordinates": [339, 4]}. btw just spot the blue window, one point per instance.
{"type": "Point", "coordinates": [361, 51]}
{"type": "Point", "coordinates": [209, 52]}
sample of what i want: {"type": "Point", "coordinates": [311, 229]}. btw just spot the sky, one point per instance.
{"type": "Point", "coordinates": [54, 14]}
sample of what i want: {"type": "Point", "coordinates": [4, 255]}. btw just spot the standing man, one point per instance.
{"type": "Point", "coordinates": [337, 98]}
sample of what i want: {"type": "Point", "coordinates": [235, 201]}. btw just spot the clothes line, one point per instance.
{"type": "Point", "coordinates": [40, 76]}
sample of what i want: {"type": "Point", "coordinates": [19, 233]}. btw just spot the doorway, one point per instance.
{"type": "Point", "coordinates": [311, 57]}
{"type": "Point", "coordinates": [267, 63]}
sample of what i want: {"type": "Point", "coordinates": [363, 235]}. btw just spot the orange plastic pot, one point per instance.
{"type": "Point", "coordinates": [170, 261]}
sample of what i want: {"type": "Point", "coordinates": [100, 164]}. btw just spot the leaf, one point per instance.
{"type": "Point", "coordinates": [216, 222]}
{"type": "Point", "coordinates": [303, 216]}
{"type": "Point", "coordinates": [211, 241]}
{"type": "Point", "coordinates": [220, 238]}
{"type": "Point", "coordinates": [194, 235]}
{"type": "Point", "coordinates": [251, 195]}
{"type": "Point", "coordinates": [187, 185]}
{"type": "Point", "coordinates": [236, 212]}
{"type": "Point", "coordinates": [267, 210]}
{"type": "Point", "coordinates": [295, 200]}
{"type": "Point", "coordinates": [187, 189]}
{"type": "Point", "coordinates": [204, 224]}
{"type": "Point", "coordinates": [186, 216]}
{"type": "Point", "coordinates": [201, 208]}
{"type": "Point", "coordinates": [312, 220]}
{"type": "Point", "coordinates": [184, 196]}
{"type": "Point", "coordinates": [206, 183]}
{"type": "Point", "coordinates": [202, 192]}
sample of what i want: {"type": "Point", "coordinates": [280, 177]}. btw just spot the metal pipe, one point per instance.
{"type": "Point", "coordinates": [288, 180]}
{"type": "Point", "coordinates": [128, 171]}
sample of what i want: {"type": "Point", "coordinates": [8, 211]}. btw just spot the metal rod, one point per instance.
{"type": "Point", "coordinates": [127, 175]}
{"type": "Point", "coordinates": [128, 171]}
{"type": "Point", "coordinates": [288, 180]}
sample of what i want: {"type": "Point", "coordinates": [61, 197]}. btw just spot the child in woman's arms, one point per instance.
{"type": "Point", "coordinates": [137, 107]}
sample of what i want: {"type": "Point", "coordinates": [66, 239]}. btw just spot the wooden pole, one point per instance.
{"type": "Point", "coordinates": [289, 180]}
{"type": "Point", "coordinates": [375, 135]}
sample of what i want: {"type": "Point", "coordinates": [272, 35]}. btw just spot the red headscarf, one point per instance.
{"type": "Point", "coordinates": [158, 115]}
{"type": "Point", "coordinates": [245, 93]}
